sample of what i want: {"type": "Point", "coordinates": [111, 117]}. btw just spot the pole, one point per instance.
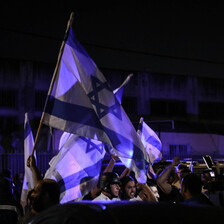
{"type": "Point", "coordinates": [54, 76]}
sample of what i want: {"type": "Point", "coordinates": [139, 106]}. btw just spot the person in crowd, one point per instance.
{"type": "Point", "coordinates": [45, 194]}
{"type": "Point", "coordinates": [109, 184]}
{"type": "Point", "coordinates": [10, 210]}
{"type": "Point", "coordinates": [181, 171]}
{"type": "Point", "coordinates": [16, 189]}
{"type": "Point", "coordinates": [96, 191]}
{"type": "Point", "coordinates": [18, 184]}
{"type": "Point", "coordinates": [128, 188]}
{"type": "Point", "coordinates": [167, 191]}
{"type": "Point", "coordinates": [31, 163]}
{"type": "Point", "coordinates": [137, 192]}
{"type": "Point", "coordinates": [191, 189]}
{"type": "Point", "coordinates": [154, 189]}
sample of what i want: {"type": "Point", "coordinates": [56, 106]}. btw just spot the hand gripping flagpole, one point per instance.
{"type": "Point", "coordinates": [54, 76]}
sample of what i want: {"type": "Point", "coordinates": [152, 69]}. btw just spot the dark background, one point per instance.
{"type": "Point", "coordinates": [161, 36]}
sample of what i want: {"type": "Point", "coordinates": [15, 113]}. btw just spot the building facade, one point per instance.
{"type": "Point", "coordinates": [185, 111]}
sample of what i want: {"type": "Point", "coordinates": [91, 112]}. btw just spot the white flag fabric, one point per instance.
{"type": "Point", "coordinates": [28, 147]}
{"type": "Point", "coordinates": [77, 166]}
{"type": "Point", "coordinates": [119, 91]}
{"type": "Point", "coordinates": [150, 140]}
{"type": "Point", "coordinates": [74, 155]}
{"type": "Point", "coordinates": [82, 103]}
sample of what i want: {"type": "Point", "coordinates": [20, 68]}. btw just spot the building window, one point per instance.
{"type": "Point", "coordinates": [211, 110]}
{"type": "Point", "coordinates": [170, 108]}
{"type": "Point", "coordinates": [178, 150]}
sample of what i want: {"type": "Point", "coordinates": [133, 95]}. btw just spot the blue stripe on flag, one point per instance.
{"type": "Point", "coordinates": [154, 142]}
{"type": "Point", "coordinates": [27, 130]}
{"type": "Point", "coordinates": [117, 139]}
{"type": "Point", "coordinates": [77, 178]}
{"type": "Point", "coordinates": [72, 112]}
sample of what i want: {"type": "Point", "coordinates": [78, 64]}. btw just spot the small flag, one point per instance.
{"type": "Point", "coordinates": [150, 140]}
{"type": "Point", "coordinates": [28, 146]}
{"type": "Point", "coordinates": [119, 91]}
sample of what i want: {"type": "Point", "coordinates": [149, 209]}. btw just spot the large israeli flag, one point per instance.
{"type": "Point", "coordinates": [28, 183]}
{"type": "Point", "coordinates": [150, 140]}
{"type": "Point", "coordinates": [81, 102]}
{"type": "Point", "coordinates": [77, 166]}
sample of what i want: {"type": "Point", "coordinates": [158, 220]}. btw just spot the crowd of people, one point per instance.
{"type": "Point", "coordinates": [170, 183]}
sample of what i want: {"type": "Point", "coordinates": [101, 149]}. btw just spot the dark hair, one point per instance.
{"type": "Point", "coordinates": [181, 166]}
{"type": "Point", "coordinates": [184, 172]}
{"type": "Point", "coordinates": [151, 183]}
{"type": "Point", "coordinates": [52, 189]}
{"type": "Point", "coordinates": [5, 187]}
{"type": "Point", "coordinates": [45, 187]}
{"type": "Point", "coordinates": [125, 180]}
{"type": "Point", "coordinates": [192, 183]}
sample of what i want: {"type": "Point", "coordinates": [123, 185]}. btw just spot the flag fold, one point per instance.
{"type": "Point", "coordinates": [82, 103]}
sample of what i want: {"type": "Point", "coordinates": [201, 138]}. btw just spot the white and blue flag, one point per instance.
{"type": "Point", "coordinates": [77, 166]}
{"type": "Point", "coordinates": [82, 103]}
{"type": "Point", "coordinates": [28, 183]}
{"type": "Point", "coordinates": [150, 140]}
{"type": "Point", "coordinates": [119, 91]}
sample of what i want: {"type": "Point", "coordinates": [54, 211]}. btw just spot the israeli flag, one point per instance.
{"type": "Point", "coordinates": [77, 166]}
{"type": "Point", "coordinates": [150, 140]}
{"type": "Point", "coordinates": [82, 103]}
{"type": "Point", "coordinates": [28, 183]}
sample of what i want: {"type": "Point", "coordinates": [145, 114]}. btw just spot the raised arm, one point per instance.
{"type": "Point", "coordinates": [162, 179]}
{"type": "Point", "coordinates": [31, 163]}
{"type": "Point", "coordinates": [146, 193]}
{"type": "Point", "coordinates": [110, 165]}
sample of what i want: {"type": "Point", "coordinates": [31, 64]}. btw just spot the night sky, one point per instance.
{"type": "Point", "coordinates": [134, 36]}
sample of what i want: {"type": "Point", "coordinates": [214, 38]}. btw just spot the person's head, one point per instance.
{"type": "Point", "coordinates": [153, 187]}
{"type": "Point", "coordinates": [7, 173]}
{"type": "Point", "coordinates": [183, 173]}
{"type": "Point", "coordinates": [109, 184]}
{"type": "Point", "coordinates": [179, 168]}
{"type": "Point", "coordinates": [128, 188]}
{"type": "Point", "coordinates": [5, 187]}
{"type": "Point", "coordinates": [191, 185]}
{"type": "Point", "coordinates": [45, 194]}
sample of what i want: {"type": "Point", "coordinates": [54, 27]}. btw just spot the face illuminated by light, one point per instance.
{"type": "Point", "coordinates": [130, 189]}
{"type": "Point", "coordinates": [155, 192]}
{"type": "Point", "coordinates": [115, 189]}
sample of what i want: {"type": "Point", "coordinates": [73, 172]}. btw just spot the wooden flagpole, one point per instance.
{"type": "Point", "coordinates": [54, 76]}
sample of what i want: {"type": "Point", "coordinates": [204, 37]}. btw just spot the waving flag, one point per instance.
{"type": "Point", "coordinates": [81, 102]}
{"type": "Point", "coordinates": [119, 91]}
{"type": "Point", "coordinates": [28, 146]}
{"type": "Point", "coordinates": [81, 158]}
{"type": "Point", "coordinates": [150, 140]}
{"type": "Point", "coordinates": [77, 166]}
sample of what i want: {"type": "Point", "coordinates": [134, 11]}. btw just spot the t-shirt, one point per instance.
{"type": "Point", "coordinates": [174, 196]}
{"type": "Point", "coordinates": [103, 197]}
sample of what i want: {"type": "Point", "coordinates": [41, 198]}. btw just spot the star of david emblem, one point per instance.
{"type": "Point", "coordinates": [92, 146]}
{"type": "Point", "coordinates": [102, 109]}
